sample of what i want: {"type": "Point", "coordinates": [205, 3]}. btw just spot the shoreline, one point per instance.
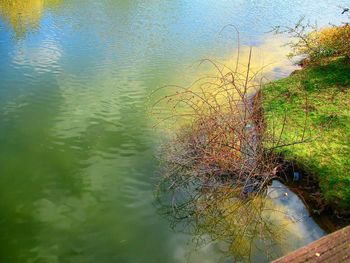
{"type": "Point", "coordinates": [329, 213]}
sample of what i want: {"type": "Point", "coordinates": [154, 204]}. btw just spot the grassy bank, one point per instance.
{"type": "Point", "coordinates": [309, 112]}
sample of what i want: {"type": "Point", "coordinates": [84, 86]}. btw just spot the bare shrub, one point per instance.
{"type": "Point", "coordinates": [310, 42]}
{"type": "Point", "coordinates": [216, 168]}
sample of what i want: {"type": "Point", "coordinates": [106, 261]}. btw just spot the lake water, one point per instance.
{"type": "Point", "coordinates": [77, 172]}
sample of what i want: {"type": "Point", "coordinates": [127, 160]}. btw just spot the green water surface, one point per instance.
{"type": "Point", "coordinates": [77, 172]}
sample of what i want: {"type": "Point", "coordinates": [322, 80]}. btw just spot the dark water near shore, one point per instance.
{"type": "Point", "coordinates": [76, 141]}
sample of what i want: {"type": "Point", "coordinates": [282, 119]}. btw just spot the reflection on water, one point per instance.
{"type": "Point", "coordinates": [76, 142]}
{"type": "Point", "coordinates": [258, 229]}
{"type": "Point", "coordinates": [42, 58]}
{"type": "Point", "coordinates": [302, 226]}
{"type": "Point", "coordinates": [24, 16]}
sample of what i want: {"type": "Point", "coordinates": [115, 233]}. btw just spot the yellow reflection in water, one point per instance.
{"type": "Point", "coordinates": [24, 15]}
{"type": "Point", "coordinates": [268, 59]}
{"type": "Point", "coordinates": [262, 226]}
{"type": "Point", "coordinates": [211, 83]}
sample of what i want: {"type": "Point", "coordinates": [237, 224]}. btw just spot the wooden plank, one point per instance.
{"type": "Point", "coordinates": [333, 248]}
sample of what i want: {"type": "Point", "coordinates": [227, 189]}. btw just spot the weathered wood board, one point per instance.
{"type": "Point", "coordinates": [333, 248]}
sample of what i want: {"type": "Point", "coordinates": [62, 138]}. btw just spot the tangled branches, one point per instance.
{"type": "Point", "coordinates": [215, 170]}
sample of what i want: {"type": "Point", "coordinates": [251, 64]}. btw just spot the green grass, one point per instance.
{"type": "Point", "coordinates": [317, 97]}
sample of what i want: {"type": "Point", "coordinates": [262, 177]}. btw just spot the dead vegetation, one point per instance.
{"type": "Point", "coordinates": [216, 167]}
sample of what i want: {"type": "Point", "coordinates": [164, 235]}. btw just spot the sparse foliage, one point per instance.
{"type": "Point", "coordinates": [314, 44]}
